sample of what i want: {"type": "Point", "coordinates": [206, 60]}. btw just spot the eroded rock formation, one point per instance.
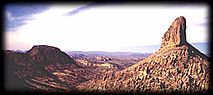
{"type": "Point", "coordinates": [176, 34]}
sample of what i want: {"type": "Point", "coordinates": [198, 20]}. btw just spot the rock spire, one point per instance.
{"type": "Point", "coordinates": [176, 34]}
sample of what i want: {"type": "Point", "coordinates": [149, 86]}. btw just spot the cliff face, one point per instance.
{"type": "Point", "coordinates": [176, 66]}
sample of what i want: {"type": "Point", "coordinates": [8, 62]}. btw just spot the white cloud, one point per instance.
{"type": "Point", "coordinates": [105, 27]}
{"type": "Point", "coordinates": [9, 16]}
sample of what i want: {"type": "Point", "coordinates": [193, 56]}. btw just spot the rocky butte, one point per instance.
{"type": "Point", "coordinates": [176, 67]}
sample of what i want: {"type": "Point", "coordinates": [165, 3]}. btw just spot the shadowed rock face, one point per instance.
{"type": "Point", "coordinates": [12, 81]}
{"type": "Point", "coordinates": [33, 69]}
{"type": "Point", "coordinates": [176, 66]}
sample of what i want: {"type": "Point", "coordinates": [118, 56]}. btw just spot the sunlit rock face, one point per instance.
{"type": "Point", "coordinates": [176, 34]}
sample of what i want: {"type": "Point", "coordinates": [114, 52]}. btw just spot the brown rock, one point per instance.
{"type": "Point", "coordinates": [176, 34]}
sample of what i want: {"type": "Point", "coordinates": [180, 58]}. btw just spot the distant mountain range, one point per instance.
{"type": "Point", "coordinates": [112, 54]}
{"type": "Point", "coordinates": [203, 47]}
{"type": "Point", "coordinates": [138, 50]}
{"type": "Point", "coordinates": [135, 50]}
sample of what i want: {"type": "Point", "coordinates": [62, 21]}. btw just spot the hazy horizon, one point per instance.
{"type": "Point", "coordinates": [99, 27]}
{"type": "Point", "coordinates": [202, 47]}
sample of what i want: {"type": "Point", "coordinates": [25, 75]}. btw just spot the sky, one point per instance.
{"type": "Point", "coordinates": [99, 27]}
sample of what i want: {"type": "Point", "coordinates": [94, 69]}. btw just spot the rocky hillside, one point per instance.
{"type": "Point", "coordinates": [43, 68]}
{"type": "Point", "coordinates": [176, 66]}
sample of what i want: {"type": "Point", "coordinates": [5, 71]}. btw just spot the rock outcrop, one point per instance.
{"type": "Point", "coordinates": [175, 67]}
{"type": "Point", "coordinates": [176, 34]}
{"type": "Point", "coordinates": [44, 54]}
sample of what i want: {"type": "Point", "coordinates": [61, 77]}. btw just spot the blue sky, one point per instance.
{"type": "Point", "coordinates": [18, 13]}
{"type": "Point", "coordinates": [98, 27]}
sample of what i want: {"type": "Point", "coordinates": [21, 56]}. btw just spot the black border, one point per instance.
{"type": "Point", "coordinates": [98, 1]}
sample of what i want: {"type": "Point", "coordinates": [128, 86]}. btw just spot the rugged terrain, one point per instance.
{"type": "Point", "coordinates": [176, 67]}
{"type": "Point", "coordinates": [48, 69]}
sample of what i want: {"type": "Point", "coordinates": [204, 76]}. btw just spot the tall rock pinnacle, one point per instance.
{"type": "Point", "coordinates": [176, 34]}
